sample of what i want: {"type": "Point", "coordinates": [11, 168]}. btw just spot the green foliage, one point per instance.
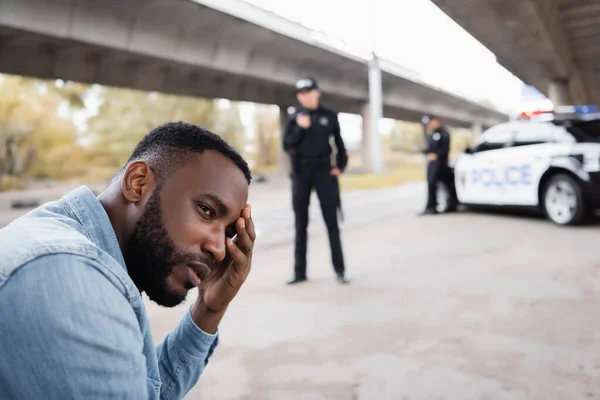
{"type": "Point", "coordinates": [268, 137]}
{"type": "Point", "coordinates": [39, 138]}
{"type": "Point", "coordinates": [125, 116]}
{"type": "Point", "coordinates": [36, 139]}
{"type": "Point", "coordinates": [66, 130]}
{"type": "Point", "coordinates": [460, 140]}
{"type": "Point", "coordinates": [228, 125]}
{"type": "Point", "coordinates": [406, 136]}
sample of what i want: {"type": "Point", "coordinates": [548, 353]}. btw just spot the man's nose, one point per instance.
{"type": "Point", "coordinates": [215, 245]}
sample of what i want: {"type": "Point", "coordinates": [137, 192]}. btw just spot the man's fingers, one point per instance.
{"type": "Point", "coordinates": [243, 238]}
{"type": "Point", "coordinates": [238, 256]}
{"type": "Point", "coordinates": [218, 270]}
{"type": "Point", "coordinates": [251, 230]}
{"type": "Point", "coordinates": [249, 223]}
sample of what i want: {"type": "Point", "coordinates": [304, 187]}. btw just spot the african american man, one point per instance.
{"type": "Point", "coordinates": [72, 321]}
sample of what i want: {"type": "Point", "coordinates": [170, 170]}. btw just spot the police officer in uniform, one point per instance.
{"type": "Point", "coordinates": [438, 148]}
{"type": "Point", "coordinates": [307, 140]}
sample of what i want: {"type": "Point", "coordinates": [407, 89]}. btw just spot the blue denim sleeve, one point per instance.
{"type": "Point", "coordinates": [182, 357]}
{"type": "Point", "coordinates": [67, 331]}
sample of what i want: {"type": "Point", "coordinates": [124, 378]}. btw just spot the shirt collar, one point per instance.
{"type": "Point", "coordinates": [87, 209]}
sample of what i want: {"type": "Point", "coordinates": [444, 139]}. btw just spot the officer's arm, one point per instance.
{"type": "Point", "coordinates": [293, 134]}
{"type": "Point", "coordinates": [429, 148]}
{"type": "Point", "coordinates": [444, 145]}
{"type": "Point", "coordinates": [341, 157]}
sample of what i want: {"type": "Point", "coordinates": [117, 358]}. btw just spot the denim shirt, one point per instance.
{"type": "Point", "coordinates": [72, 322]}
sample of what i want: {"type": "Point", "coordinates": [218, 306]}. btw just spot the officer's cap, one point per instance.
{"type": "Point", "coordinates": [306, 84]}
{"type": "Point", "coordinates": [427, 118]}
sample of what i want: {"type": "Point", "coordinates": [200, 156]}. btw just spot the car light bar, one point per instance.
{"type": "Point", "coordinates": [581, 109]}
{"type": "Point", "coordinates": [561, 112]}
{"type": "Point", "coordinates": [529, 114]}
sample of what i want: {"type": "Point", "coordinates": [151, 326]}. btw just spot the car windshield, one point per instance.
{"type": "Point", "coordinates": [582, 131]}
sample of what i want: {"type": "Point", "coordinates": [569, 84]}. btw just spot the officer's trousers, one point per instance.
{"type": "Point", "coordinates": [318, 177]}
{"type": "Point", "coordinates": [434, 170]}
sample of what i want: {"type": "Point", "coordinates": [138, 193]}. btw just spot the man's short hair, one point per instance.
{"type": "Point", "coordinates": [169, 146]}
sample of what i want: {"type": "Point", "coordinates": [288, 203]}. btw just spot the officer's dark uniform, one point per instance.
{"type": "Point", "coordinates": [311, 160]}
{"type": "Point", "coordinates": [439, 144]}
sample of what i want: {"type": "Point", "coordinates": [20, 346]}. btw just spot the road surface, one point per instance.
{"type": "Point", "coordinates": [461, 306]}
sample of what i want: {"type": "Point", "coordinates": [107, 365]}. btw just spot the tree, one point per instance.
{"type": "Point", "coordinates": [268, 135]}
{"type": "Point", "coordinates": [39, 138]}
{"type": "Point", "coordinates": [407, 136]}
{"type": "Point", "coordinates": [17, 122]}
{"type": "Point", "coordinates": [228, 125]}
{"type": "Point", "coordinates": [30, 118]}
{"type": "Point", "coordinates": [125, 116]}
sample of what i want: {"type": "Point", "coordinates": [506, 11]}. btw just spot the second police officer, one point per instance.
{"type": "Point", "coordinates": [307, 140]}
{"type": "Point", "coordinates": [438, 149]}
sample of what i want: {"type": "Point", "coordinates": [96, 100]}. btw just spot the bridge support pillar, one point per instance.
{"type": "Point", "coordinates": [372, 113]}
{"type": "Point", "coordinates": [558, 93]}
{"type": "Point", "coordinates": [367, 142]}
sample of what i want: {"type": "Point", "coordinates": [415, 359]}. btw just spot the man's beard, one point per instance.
{"type": "Point", "coordinates": [150, 256]}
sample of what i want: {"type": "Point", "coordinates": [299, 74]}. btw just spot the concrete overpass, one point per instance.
{"type": "Point", "coordinates": [209, 48]}
{"type": "Point", "coordinates": [551, 44]}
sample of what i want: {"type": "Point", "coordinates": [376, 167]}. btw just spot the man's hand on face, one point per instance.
{"type": "Point", "coordinates": [226, 277]}
{"type": "Point", "coordinates": [303, 121]}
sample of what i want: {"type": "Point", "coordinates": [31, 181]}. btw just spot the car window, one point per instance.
{"type": "Point", "coordinates": [562, 135]}
{"type": "Point", "coordinates": [582, 131]}
{"type": "Point", "coordinates": [531, 133]}
{"type": "Point", "coordinates": [497, 137]}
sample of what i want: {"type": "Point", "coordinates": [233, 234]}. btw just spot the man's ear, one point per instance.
{"type": "Point", "coordinates": [138, 181]}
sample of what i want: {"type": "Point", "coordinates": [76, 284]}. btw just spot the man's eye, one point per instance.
{"type": "Point", "coordinates": [206, 210]}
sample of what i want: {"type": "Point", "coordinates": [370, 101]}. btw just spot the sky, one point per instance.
{"type": "Point", "coordinates": [415, 34]}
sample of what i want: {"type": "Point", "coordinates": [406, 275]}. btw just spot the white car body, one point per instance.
{"type": "Point", "coordinates": [508, 163]}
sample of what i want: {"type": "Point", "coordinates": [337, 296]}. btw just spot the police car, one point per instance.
{"type": "Point", "coordinates": [549, 161]}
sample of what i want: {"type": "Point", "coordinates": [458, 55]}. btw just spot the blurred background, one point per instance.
{"type": "Point", "coordinates": [61, 129]}
{"type": "Point", "coordinates": [464, 305]}
{"type": "Point", "coordinates": [55, 130]}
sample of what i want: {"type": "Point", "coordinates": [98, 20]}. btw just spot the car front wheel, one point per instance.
{"type": "Point", "coordinates": [563, 200]}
